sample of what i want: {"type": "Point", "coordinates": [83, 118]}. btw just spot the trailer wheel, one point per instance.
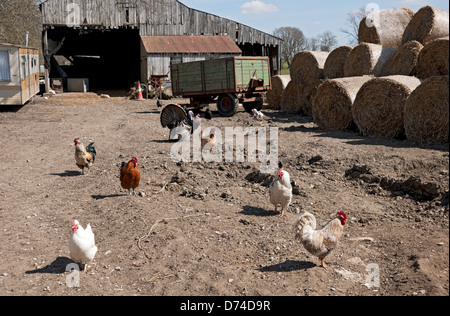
{"type": "Point", "coordinates": [227, 104]}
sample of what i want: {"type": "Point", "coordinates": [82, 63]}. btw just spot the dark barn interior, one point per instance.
{"type": "Point", "coordinates": [109, 58]}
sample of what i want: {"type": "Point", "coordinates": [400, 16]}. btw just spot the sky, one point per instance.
{"type": "Point", "coordinates": [313, 17]}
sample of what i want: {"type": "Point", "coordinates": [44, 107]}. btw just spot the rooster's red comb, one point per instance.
{"type": "Point", "coordinates": [342, 214]}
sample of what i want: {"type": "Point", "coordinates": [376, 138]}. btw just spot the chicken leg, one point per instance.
{"type": "Point", "coordinates": [323, 265]}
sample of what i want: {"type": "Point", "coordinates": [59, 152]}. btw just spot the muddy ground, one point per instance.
{"type": "Point", "coordinates": [208, 228]}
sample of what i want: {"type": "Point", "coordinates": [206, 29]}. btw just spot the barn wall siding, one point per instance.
{"type": "Point", "coordinates": [152, 17]}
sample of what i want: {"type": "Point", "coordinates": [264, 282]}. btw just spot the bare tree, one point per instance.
{"type": "Point", "coordinates": [294, 41]}
{"type": "Point", "coordinates": [327, 41]}
{"type": "Point", "coordinates": [313, 44]}
{"type": "Point", "coordinates": [354, 18]}
{"type": "Point", "coordinates": [18, 17]}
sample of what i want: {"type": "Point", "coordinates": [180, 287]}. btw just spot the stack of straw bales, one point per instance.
{"type": "Point", "coordinates": [274, 96]}
{"type": "Point", "coordinates": [378, 86]}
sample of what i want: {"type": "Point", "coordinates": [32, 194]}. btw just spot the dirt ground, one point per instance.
{"type": "Point", "coordinates": [207, 229]}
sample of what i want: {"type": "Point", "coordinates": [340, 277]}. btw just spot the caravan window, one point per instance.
{"type": "Point", "coordinates": [24, 67]}
{"type": "Point", "coordinates": [5, 74]}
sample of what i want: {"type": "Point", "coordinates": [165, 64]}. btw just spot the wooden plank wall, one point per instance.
{"type": "Point", "coordinates": [152, 17]}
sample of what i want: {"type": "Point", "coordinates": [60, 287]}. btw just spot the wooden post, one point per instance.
{"type": "Point", "coordinates": [46, 60]}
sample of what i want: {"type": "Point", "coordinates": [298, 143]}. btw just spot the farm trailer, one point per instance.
{"type": "Point", "coordinates": [230, 80]}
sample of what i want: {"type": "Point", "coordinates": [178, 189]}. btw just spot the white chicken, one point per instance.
{"type": "Point", "coordinates": [82, 245]}
{"type": "Point", "coordinates": [258, 114]}
{"type": "Point", "coordinates": [280, 190]}
{"type": "Point", "coordinates": [319, 242]}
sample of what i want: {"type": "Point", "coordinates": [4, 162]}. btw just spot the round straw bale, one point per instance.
{"type": "Point", "coordinates": [290, 101]}
{"type": "Point", "coordinates": [307, 67]}
{"type": "Point", "coordinates": [426, 112]}
{"type": "Point", "coordinates": [274, 96]}
{"type": "Point", "coordinates": [332, 105]}
{"type": "Point", "coordinates": [427, 24]}
{"type": "Point", "coordinates": [433, 59]}
{"type": "Point", "coordinates": [404, 61]}
{"type": "Point", "coordinates": [386, 28]}
{"type": "Point", "coordinates": [309, 94]}
{"type": "Point", "coordinates": [297, 99]}
{"type": "Point", "coordinates": [367, 59]}
{"type": "Point", "coordinates": [379, 106]}
{"type": "Point", "coordinates": [335, 63]}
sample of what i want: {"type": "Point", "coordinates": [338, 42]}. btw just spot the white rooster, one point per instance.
{"type": "Point", "coordinates": [82, 245]}
{"type": "Point", "coordinates": [280, 190]}
{"type": "Point", "coordinates": [319, 242]}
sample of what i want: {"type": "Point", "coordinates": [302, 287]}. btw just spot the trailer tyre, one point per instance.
{"type": "Point", "coordinates": [227, 105]}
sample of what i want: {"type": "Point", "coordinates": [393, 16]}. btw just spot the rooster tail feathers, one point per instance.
{"type": "Point", "coordinates": [303, 220]}
{"type": "Point", "coordinates": [91, 149]}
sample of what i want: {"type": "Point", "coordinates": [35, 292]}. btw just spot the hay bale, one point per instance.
{"type": "Point", "coordinates": [309, 94]}
{"type": "Point", "coordinates": [307, 67]}
{"type": "Point", "coordinates": [335, 63]}
{"type": "Point", "coordinates": [404, 61]}
{"type": "Point", "coordinates": [379, 106]}
{"type": "Point", "coordinates": [367, 59]}
{"type": "Point", "coordinates": [290, 101]}
{"type": "Point", "coordinates": [297, 99]}
{"type": "Point", "coordinates": [389, 29]}
{"type": "Point", "coordinates": [433, 59]}
{"type": "Point", "coordinates": [426, 112]}
{"type": "Point", "coordinates": [332, 105]}
{"type": "Point", "coordinates": [274, 96]}
{"type": "Point", "coordinates": [427, 25]}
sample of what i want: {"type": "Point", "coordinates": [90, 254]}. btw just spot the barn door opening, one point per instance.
{"type": "Point", "coordinates": [110, 59]}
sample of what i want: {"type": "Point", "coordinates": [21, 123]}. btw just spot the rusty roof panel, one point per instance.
{"type": "Point", "coordinates": [190, 44]}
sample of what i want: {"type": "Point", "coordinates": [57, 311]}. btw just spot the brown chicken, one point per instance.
{"type": "Point", "coordinates": [130, 177]}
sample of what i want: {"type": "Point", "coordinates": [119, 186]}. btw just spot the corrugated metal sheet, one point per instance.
{"type": "Point", "coordinates": [189, 44]}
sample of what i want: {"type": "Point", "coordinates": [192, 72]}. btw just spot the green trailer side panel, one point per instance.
{"type": "Point", "coordinates": [217, 76]}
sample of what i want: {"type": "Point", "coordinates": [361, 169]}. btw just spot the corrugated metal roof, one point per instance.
{"type": "Point", "coordinates": [189, 44]}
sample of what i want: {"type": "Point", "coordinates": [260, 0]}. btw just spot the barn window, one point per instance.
{"type": "Point", "coordinates": [5, 74]}
{"type": "Point", "coordinates": [176, 60]}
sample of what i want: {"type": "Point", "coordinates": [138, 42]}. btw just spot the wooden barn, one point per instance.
{"type": "Point", "coordinates": [19, 74]}
{"type": "Point", "coordinates": [115, 43]}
